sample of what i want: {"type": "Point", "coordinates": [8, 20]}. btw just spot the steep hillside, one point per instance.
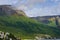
{"type": "Point", "coordinates": [22, 26]}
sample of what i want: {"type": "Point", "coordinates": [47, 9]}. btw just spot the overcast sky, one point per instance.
{"type": "Point", "coordinates": [36, 7]}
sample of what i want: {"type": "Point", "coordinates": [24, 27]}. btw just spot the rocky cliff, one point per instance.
{"type": "Point", "coordinates": [9, 10]}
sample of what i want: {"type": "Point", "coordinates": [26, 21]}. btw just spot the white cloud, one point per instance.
{"type": "Point", "coordinates": [7, 2]}
{"type": "Point", "coordinates": [55, 0]}
{"type": "Point", "coordinates": [35, 1]}
{"type": "Point", "coordinates": [44, 11]}
{"type": "Point", "coordinates": [30, 4]}
{"type": "Point", "coordinates": [23, 7]}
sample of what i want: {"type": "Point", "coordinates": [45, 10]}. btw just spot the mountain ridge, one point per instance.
{"type": "Point", "coordinates": [47, 19]}
{"type": "Point", "coordinates": [8, 10]}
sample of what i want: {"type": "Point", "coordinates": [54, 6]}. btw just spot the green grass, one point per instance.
{"type": "Point", "coordinates": [25, 27]}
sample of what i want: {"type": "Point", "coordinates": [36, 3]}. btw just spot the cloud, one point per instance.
{"type": "Point", "coordinates": [29, 3]}
{"type": "Point", "coordinates": [55, 0]}
{"type": "Point", "coordinates": [35, 1]}
{"type": "Point", "coordinates": [45, 7]}
{"type": "Point", "coordinates": [44, 11]}
{"type": "Point", "coordinates": [8, 2]}
{"type": "Point", "coordinates": [29, 6]}
{"type": "Point", "coordinates": [23, 7]}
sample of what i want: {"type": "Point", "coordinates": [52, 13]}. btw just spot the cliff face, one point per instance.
{"type": "Point", "coordinates": [50, 20]}
{"type": "Point", "coordinates": [8, 10]}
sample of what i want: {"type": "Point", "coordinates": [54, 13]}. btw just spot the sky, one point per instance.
{"type": "Point", "coordinates": [34, 8]}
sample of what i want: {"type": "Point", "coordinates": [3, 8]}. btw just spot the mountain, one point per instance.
{"type": "Point", "coordinates": [7, 10]}
{"type": "Point", "coordinates": [50, 20]}
{"type": "Point", "coordinates": [24, 27]}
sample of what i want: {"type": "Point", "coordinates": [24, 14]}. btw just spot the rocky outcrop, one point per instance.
{"type": "Point", "coordinates": [50, 20]}
{"type": "Point", "coordinates": [9, 10]}
{"type": "Point", "coordinates": [7, 36]}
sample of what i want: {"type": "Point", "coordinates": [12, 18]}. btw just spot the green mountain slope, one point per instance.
{"type": "Point", "coordinates": [17, 23]}
{"type": "Point", "coordinates": [22, 26]}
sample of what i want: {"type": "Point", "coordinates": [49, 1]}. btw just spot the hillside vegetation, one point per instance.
{"type": "Point", "coordinates": [17, 23]}
{"type": "Point", "coordinates": [49, 20]}
{"type": "Point", "coordinates": [22, 26]}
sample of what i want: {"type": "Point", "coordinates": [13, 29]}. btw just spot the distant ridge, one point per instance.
{"type": "Point", "coordinates": [47, 19]}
